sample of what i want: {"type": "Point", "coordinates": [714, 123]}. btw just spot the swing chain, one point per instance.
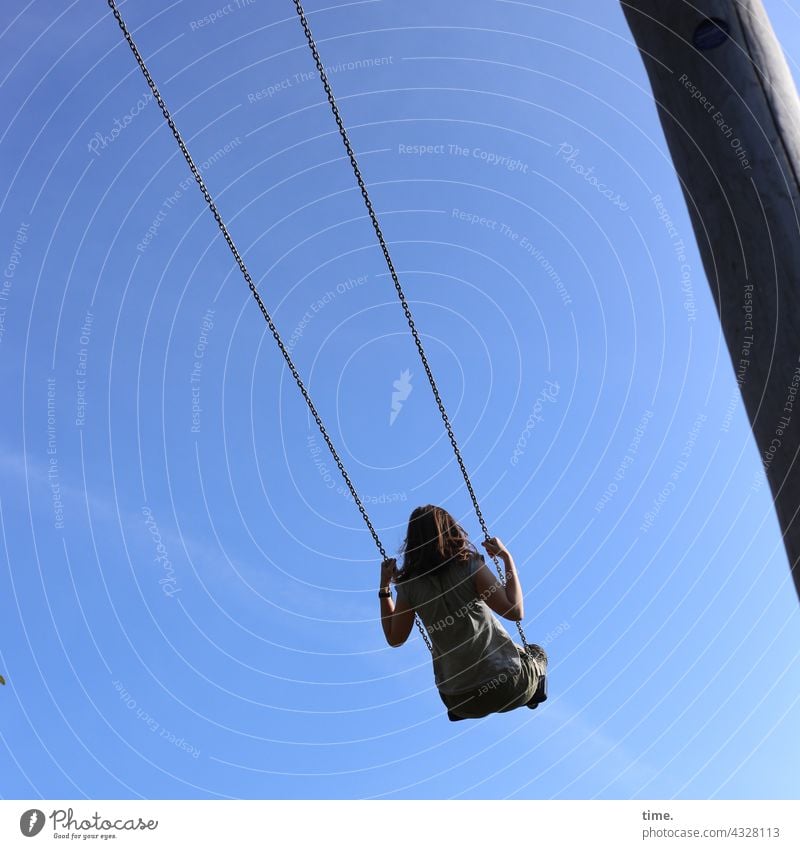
{"type": "Point", "coordinates": [246, 274]}
{"type": "Point", "coordinates": [395, 279]}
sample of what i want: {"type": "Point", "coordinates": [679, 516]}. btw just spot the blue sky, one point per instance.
{"type": "Point", "coordinates": [187, 596]}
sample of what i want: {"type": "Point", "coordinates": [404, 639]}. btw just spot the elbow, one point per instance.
{"type": "Point", "coordinates": [515, 614]}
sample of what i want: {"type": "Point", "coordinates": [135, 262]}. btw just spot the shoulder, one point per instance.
{"type": "Point", "coordinates": [464, 567]}
{"type": "Point", "coordinates": [470, 568]}
{"type": "Point", "coordinates": [475, 562]}
{"type": "Point", "coordinates": [486, 582]}
{"type": "Point", "coordinates": [403, 590]}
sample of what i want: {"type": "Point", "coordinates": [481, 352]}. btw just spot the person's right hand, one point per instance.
{"type": "Point", "coordinates": [494, 547]}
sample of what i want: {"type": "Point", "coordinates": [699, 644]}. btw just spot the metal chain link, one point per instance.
{"type": "Point", "coordinates": [246, 274]}
{"type": "Point", "coordinates": [400, 294]}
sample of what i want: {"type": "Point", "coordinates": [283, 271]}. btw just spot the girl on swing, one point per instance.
{"type": "Point", "coordinates": [478, 669]}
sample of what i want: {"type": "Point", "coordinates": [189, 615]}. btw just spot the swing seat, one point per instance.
{"type": "Point", "coordinates": [540, 695]}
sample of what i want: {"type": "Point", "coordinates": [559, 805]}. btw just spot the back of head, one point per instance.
{"type": "Point", "coordinates": [434, 539]}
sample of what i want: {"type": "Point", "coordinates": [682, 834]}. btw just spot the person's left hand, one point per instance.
{"type": "Point", "coordinates": [388, 571]}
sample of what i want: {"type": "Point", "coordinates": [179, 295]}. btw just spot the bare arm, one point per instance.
{"type": "Point", "coordinates": [505, 601]}
{"type": "Point", "coordinates": [397, 619]}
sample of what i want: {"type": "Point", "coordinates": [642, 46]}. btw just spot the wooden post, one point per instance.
{"type": "Point", "coordinates": [731, 116]}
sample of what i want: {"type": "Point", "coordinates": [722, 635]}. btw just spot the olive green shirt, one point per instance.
{"type": "Point", "coordinates": [470, 646]}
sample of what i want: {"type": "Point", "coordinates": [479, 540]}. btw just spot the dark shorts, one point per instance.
{"type": "Point", "coordinates": [503, 693]}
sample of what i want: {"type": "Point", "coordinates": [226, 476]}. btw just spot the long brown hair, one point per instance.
{"type": "Point", "coordinates": [433, 539]}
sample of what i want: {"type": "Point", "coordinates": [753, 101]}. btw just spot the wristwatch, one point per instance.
{"type": "Point", "coordinates": [387, 593]}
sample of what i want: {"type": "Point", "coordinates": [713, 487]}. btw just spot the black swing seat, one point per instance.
{"type": "Point", "coordinates": [540, 695]}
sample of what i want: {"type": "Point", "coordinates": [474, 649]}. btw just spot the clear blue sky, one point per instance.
{"type": "Point", "coordinates": [187, 599]}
